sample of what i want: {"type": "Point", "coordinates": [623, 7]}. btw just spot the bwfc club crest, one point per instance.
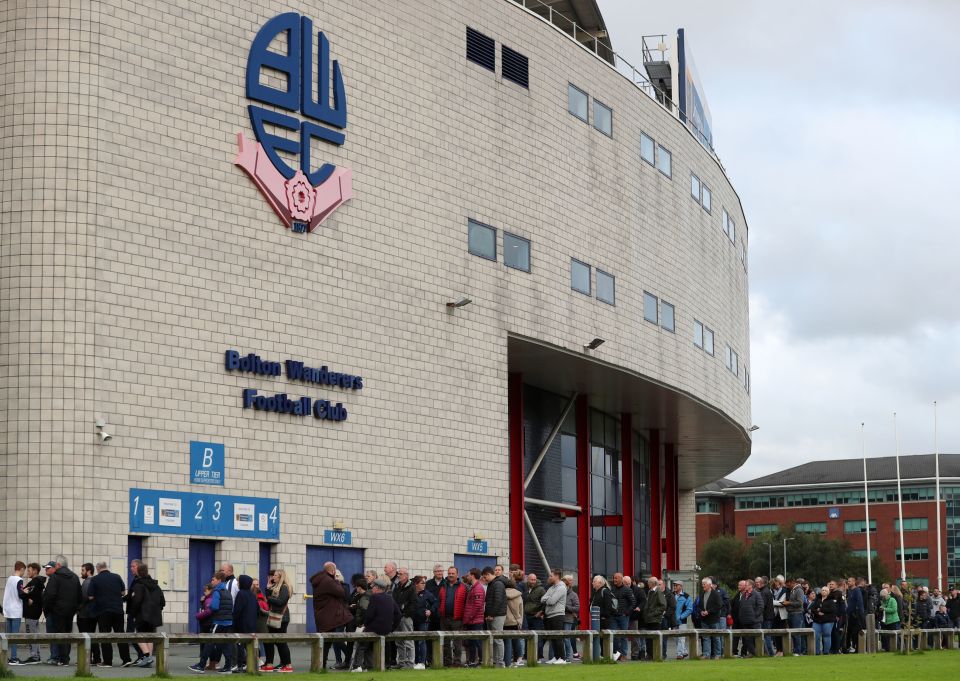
{"type": "Point", "coordinates": [302, 197]}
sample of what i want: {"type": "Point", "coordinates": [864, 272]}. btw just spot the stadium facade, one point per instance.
{"type": "Point", "coordinates": [429, 282]}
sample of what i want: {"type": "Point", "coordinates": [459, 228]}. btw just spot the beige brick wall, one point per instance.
{"type": "Point", "coordinates": [133, 253]}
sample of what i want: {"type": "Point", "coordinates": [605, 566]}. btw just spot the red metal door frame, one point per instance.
{"type": "Point", "coordinates": [626, 489]}
{"type": "Point", "coordinates": [584, 576]}
{"type": "Point", "coordinates": [656, 545]}
{"type": "Point", "coordinates": [515, 422]}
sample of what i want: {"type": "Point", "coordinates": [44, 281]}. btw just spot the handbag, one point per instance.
{"type": "Point", "coordinates": [275, 619]}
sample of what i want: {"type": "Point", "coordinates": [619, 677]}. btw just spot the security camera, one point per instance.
{"type": "Point", "coordinates": [104, 436]}
{"type": "Point", "coordinates": [101, 423]}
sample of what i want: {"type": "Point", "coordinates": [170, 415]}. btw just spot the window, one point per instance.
{"type": "Point", "coordinates": [515, 66]}
{"type": "Point", "coordinates": [664, 161]}
{"type": "Point", "coordinates": [914, 554]}
{"type": "Point", "coordinates": [647, 149]}
{"type": "Point", "coordinates": [516, 252]}
{"type": "Point", "coordinates": [603, 118]}
{"type": "Point", "coordinates": [482, 240]}
{"type": "Point", "coordinates": [650, 307]}
{"type": "Point", "coordinates": [580, 276]}
{"type": "Point", "coordinates": [667, 316]}
{"type": "Point", "coordinates": [732, 360]}
{"type": "Point", "coordinates": [697, 333]}
{"type": "Point", "coordinates": [695, 187]}
{"type": "Point", "coordinates": [746, 380]}
{"type": "Point", "coordinates": [858, 526]}
{"type": "Point", "coordinates": [707, 341]}
{"type": "Point", "coordinates": [726, 222]}
{"type": "Point", "coordinates": [481, 49]}
{"type": "Point", "coordinates": [707, 198]}
{"type": "Point", "coordinates": [757, 530]}
{"type": "Point", "coordinates": [606, 287]}
{"type": "Point", "coordinates": [811, 528]}
{"type": "Point", "coordinates": [910, 524]}
{"type": "Point", "coordinates": [577, 102]}
{"type": "Point", "coordinates": [733, 232]}
{"type": "Point", "coordinates": [729, 228]}
{"type": "Point", "coordinates": [860, 553]}
{"type": "Point", "coordinates": [708, 506]}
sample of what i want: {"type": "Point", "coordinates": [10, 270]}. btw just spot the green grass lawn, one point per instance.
{"type": "Point", "coordinates": [929, 666]}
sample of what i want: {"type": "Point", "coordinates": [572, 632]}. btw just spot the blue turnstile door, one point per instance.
{"type": "Point", "coordinates": [349, 561]}
{"type": "Point", "coordinates": [202, 567]}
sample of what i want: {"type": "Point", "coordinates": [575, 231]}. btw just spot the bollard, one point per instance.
{"type": "Point", "coordinates": [437, 645]}
{"type": "Point", "coordinates": [658, 647]}
{"type": "Point", "coordinates": [253, 656]}
{"type": "Point", "coordinates": [316, 654]}
{"type": "Point", "coordinates": [83, 656]}
{"type": "Point", "coordinates": [160, 652]}
{"type": "Point", "coordinates": [606, 644]}
{"type": "Point", "coordinates": [587, 653]}
{"type": "Point", "coordinates": [4, 657]}
{"type": "Point", "coordinates": [379, 651]}
{"type": "Point", "coordinates": [728, 651]}
{"type": "Point", "coordinates": [871, 635]}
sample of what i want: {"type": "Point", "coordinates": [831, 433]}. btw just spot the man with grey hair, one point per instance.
{"type": "Point", "coordinates": [710, 605]}
{"type": "Point", "coordinates": [405, 595]}
{"type": "Point", "coordinates": [106, 604]}
{"type": "Point", "coordinates": [390, 572]}
{"type": "Point", "coordinates": [653, 609]}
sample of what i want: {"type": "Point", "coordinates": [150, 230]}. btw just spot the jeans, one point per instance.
{"type": "Point", "coordinates": [569, 644]}
{"type": "Point", "coordinates": [682, 650]}
{"type": "Point", "coordinates": [895, 626]}
{"type": "Point", "coordinates": [768, 639]}
{"type": "Point", "coordinates": [32, 627]}
{"type": "Point", "coordinates": [405, 649]}
{"type": "Point", "coordinates": [556, 645]}
{"type": "Point", "coordinates": [111, 623]}
{"type": "Point", "coordinates": [822, 635]}
{"type": "Point", "coordinates": [620, 622]}
{"type": "Point", "coordinates": [59, 625]}
{"type": "Point", "coordinates": [13, 627]}
{"type": "Point", "coordinates": [512, 647]}
{"type": "Point", "coordinates": [474, 652]}
{"type": "Point", "coordinates": [496, 624]}
{"type": "Point", "coordinates": [420, 647]}
{"type": "Point", "coordinates": [796, 621]}
{"type": "Point", "coordinates": [713, 645]}
{"type": "Point", "coordinates": [214, 651]}
{"type": "Point", "coordinates": [536, 624]}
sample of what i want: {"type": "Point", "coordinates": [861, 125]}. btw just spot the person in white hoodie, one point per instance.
{"type": "Point", "coordinates": [13, 606]}
{"type": "Point", "coordinates": [554, 607]}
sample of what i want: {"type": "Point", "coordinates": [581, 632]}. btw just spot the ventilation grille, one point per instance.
{"type": "Point", "coordinates": [481, 49]}
{"type": "Point", "coordinates": [515, 66]}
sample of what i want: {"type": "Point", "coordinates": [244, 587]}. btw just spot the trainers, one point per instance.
{"type": "Point", "coordinates": [104, 664]}
{"type": "Point", "coordinates": [419, 666]}
{"type": "Point", "coordinates": [357, 669]}
{"type": "Point", "coordinates": [14, 662]}
{"type": "Point", "coordinates": [63, 664]}
{"type": "Point", "coordinates": [32, 660]}
{"type": "Point", "coordinates": [224, 670]}
{"type": "Point", "coordinates": [616, 656]}
{"type": "Point", "coordinates": [130, 663]}
{"type": "Point", "coordinates": [285, 669]}
{"type": "Point", "coordinates": [267, 668]}
{"type": "Point", "coordinates": [559, 661]}
{"type": "Point", "coordinates": [198, 668]}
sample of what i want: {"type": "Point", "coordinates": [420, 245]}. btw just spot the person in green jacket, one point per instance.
{"type": "Point", "coordinates": [891, 616]}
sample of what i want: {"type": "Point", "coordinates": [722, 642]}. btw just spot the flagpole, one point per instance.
{"type": "Point", "coordinates": [866, 503]}
{"type": "Point", "coordinates": [936, 458]}
{"type": "Point", "coordinates": [903, 554]}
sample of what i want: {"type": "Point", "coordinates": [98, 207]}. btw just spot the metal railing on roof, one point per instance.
{"type": "Point", "coordinates": [592, 43]}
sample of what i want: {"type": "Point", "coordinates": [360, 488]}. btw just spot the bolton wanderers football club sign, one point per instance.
{"type": "Point", "coordinates": [304, 196]}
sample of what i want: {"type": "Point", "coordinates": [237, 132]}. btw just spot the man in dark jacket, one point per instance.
{"type": "Point", "coordinates": [533, 609]}
{"type": "Point", "coordinates": [106, 605]}
{"type": "Point", "coordinates": [636, 615]}
{"type": "Point", "coordinates": [856, 614]}
{"type": "Point", "coordinates": [32, 596]}
{"type": "Point", "coordinates": [405, 595]}
{"type": "Point", "coordinates": [711, 603]}
{"type": "Point", "coordinates": [751, 615]}
{"type": "Point", "coordinates": [330, 611]}
{"type": "Point", "coordinates": [768, 614]}
{"type": "Point", "coordinates": [495, 609]}
{"type": "Point", "coordinates": [426, 607]}
{"type": "Point", "coordinates": [382, 617]}
{"type": "Point", "coordinates": [86, 621]}
{"type": "Point", "coordinates": [245, 611]}
{"type": "Point", "coordinates": [621, 620]}
{"type": "Point", "coordinates": [146, 604]}
{"type": "Point", "coordinates": [61, 598]}
{"type": "Point", "coordinates": [653, 609]}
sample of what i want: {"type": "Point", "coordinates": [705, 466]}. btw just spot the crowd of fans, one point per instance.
{"type": "Point", "coordinates": [491, 599]}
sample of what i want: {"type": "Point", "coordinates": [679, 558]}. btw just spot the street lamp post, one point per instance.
{"type": "Point", "coordinates": [769, 546]}
{"type": "Point", "coordinates": [785, 540]}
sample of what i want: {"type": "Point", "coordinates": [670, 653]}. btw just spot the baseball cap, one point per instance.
{"type": "Point", "coordinates": [51, 564]}
{"type": "Point", "coordinates": [382, 583]}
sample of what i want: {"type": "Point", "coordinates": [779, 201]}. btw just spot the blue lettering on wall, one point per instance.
{"type": "Point", "coordinates": [207, 463]}
{"type": "Point", "coordinates": [477, 546]}
{"type": "Point", "coordinates": [338, 537]}
{"type": "Point", "coordinates": [297, 68]}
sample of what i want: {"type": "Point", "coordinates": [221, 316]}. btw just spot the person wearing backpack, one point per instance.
{"type": "Point", "coordinates": [146, 605]}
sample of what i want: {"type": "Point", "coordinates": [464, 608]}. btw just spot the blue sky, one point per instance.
{"type": "Point", "coordinates": [839, 126]}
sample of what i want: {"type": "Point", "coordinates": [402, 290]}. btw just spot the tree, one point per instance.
{"type": "Point", "coordinates": [724, 558]}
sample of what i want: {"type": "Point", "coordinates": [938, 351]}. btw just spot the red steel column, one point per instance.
{"type": "Point", "coordinates": [584, 571]}
{"type": "Point", "coordinates": [515, 422]}
{"type": "Point", "coordinates": [669, 485]}
{"type": "Point", "coordinates": [626, 488]}
{"type": "Point", "coordinates": [656, 547]}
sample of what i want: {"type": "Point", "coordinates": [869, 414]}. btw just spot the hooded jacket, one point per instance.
{"type": "Point", "coordinates": [147, 602]}
{"type": "Point", "coordinates": [245, 608]}
{"type": "Point", "coordinates": [653, 608]}
{"type": "Point", "coordinates": [514, 607]}
{"type": "Point", "coordinates": [32, 596]}
{"type": "Point", "coordinates": [496, 603]}
{"type": "Point", "coordinates": [329, 609]}
{"type": "Point", "coordinates": [61, 597]}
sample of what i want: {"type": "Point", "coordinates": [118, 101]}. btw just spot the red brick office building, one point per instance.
{"type": "Point", "coordinates": [827, 498]}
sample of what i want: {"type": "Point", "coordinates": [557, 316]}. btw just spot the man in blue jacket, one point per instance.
{"type": "Point", "coordinates": [683, 611]}
{"type": "Point", "coordinates": [221, 605]}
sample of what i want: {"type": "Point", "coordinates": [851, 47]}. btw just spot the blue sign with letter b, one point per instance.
{"type": "Point", "coordinates": [206, 463]}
